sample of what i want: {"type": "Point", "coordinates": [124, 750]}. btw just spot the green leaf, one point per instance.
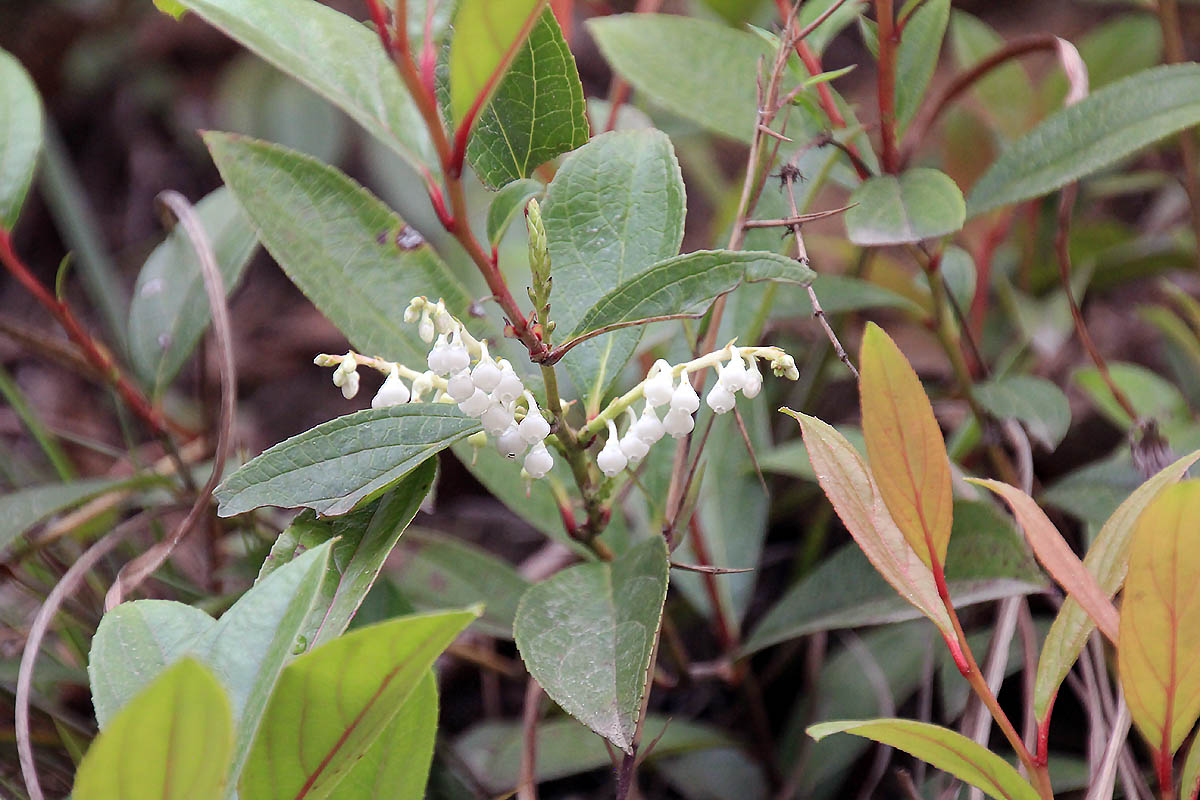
{"type": "Point", "coordinates": [20, 136]}
{"type": "Point", "coordinates": [440, 572]}
{"type": "Point", "coordinates": [335, 56]}
{"type": "Point", "coordinates": [361, 540]}
{"type": "Point", "coordinates": [690, 283]}
{"type": "Point", "coordinates": [132, 646]}
{"type": "Point", "coordinates": [396, 766]}
{"type": "Point", "coordinates": [703, 71]}
{"type": "Point", "coordinates": [1035, 402]}
{"type": "Point", "coordinates": [835, 23]}
{"type": "Point", "coordinates": [537, 113]}
{"type": "Point", "coordinates": [24, 508]}
{"type": "Point", "coordinates": [841, 293]}
{"type": "Point", "coordinates": [492, 749]}
{"type": "Point", "coordinates": [331, 704]}
{"type": "Point", "coordinates": [943, 748]}
{"type": "Point", "coordinates": [1152, 396]}
{"type": "Point", "coordinates": [920, 46]}
{"type": "Point", "coordinates": [986, 560]}
{"type": "Point", "coordinates": [338, 464]}
{"type": "Point", "coordinates": [1103, 128]}
{"type": "Point", "coordinates": [587, 634]}
{"type": "Point", "coordinates": [173, 741]}
{"type": "Point", "coordinates": [508, 205]}
{"type": "Point", "coordinates": [615, 208]}
{"type": "Point", "coordinates": [338, 243]}
{"type": "Point", "coordinates": [1107, 559]}
{"type": "Point", "coordinates": [919, 204]}
{"type": "Point", "coordinates": [169, 311]}
{"type": "Point", "coordinates": [172, 8]}
{"type": "Point", "coordinates": [487, 36]}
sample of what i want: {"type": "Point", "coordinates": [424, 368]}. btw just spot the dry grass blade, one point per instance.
{"type": "Point", "coordinates": [137, 570]}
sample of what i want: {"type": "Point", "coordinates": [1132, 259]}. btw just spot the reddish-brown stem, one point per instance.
{"type": "Point", "coordinates": [95, 353]}
{"type": "Point", "coordinates": [1042, 756]}
{"type": "Point", "coordinates": [889, 38]}
{"type": "Point", "coordinates": [1164, 768]}
{"type": "Point", "coordinates": [379, 18]}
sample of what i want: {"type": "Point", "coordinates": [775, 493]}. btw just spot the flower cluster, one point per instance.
{"type": "Point", "coordinates": [488, 389]}
{"type": "Point", "coordinates": [738, 373]}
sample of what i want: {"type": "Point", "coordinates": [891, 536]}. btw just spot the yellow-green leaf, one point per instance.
{"type": "Point", "coordinates": [945, 749]}
{"type": "Point", "coordinates": [1158, 651]}
{"type": "Point", "coordinates": [487, 34]}
{"type": "Point", "coordinates": [905, 447]}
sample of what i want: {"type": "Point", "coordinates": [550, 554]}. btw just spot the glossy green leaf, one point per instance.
{"type": "Point", "coordinates": [917, 56]}
{"type": "Point", "coordinates": [536, 114]}
{"type": "Point", "coordinates": [703, 71]}
{"type": "Point", "coordinates": [338, 464]}
{"type": "Point", "coordinates": [331, 704]}
{"type": "Point", "coordinates": [1005, 93]}
{"type": "Point", "coordinates": [361, 541]}
{"type": "Point", "coordinates": [22, 509]}
{"type": "Point", "coordinates": [132, 646]}
{"type": "Point", "coordinates": [614, 209]}
{"type": "Point", "coordinates": [396, 766]}
{"type": "Point", "coordinates": [1103, 128]}
{"type": "Point", "coordinates": [1152, 396]}
{"type": "Point", "coordinates": [338, 243]}
{"type": "Point", "coordinates": [437, 571]}
{"type": "Point", "coordinates": [587, 634]}
{"type": "Point", "coordinates": [1159, 644]}
{"type": "Point", "coordinates": [337, 57]}
{"type": "Point", "coordinates": [169, 311]}
{"type": "Point", "coordinates": [986, 561]}
{"type": "Point", "coordinates": [945, 749]}
{"type": "Point", "coordinates": [509, 205]}
{"type": "Point", "coordinates": [564, 747]}
{"type": "Point", "coordinates": [921, 203]}
{"type": "Point", "coordinates": [171, 742]}
{"type": "Point", "coordinates": [487, 36]}
{"type": "Point", "coordinates": [20, 136]}
{"type": "Point", "coordinates": [1035, 402]}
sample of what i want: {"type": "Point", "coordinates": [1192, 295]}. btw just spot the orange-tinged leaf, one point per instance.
{"type": "Point", "coordinates": [848, 485]}
{"type": "Point", "coordinates": [1158, 652]}
{"type": "Point", "coordinates": [905, 446]}
{"type": "Point", "coordinates": [1057, 557]}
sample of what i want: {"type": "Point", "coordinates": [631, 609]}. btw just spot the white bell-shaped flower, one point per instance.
{"type": "Point", "coordinates": [393, 392]}
{"type": "Point", "coordinates": [457, 358]}
{"type": "Point", "coordinates": [510, 387]}
{"type": "Point", "coordinates": [534, 427]}
{"type": "Point", "coordinates": [425, 328]}
{"type": "Point", "coordinates": [648, 427]}
{"type": "Point", "coordinates": [754, 380]}
{"type": "Point", "coordinates": [538, 461]}
{"type": "Point", "coordinates": [437, 356]}
{"type": "Point", "coordinates": [345, 377]}
{"type": "Point", "coordinates": [509, 443]}
{"type": "Point", "coordinates": [476, 404]}
{"type": "Point", "coordinates": [733, 375]}
{"type": "Point", "coordinates": [684, 398]}
{"type": "Point", "coordinates": [720, 399]}
{"type": "Point", "coordinates": [658, 387]}
{"type": "Point", "coordinates": [611, 459]}
{"type": "Point", "coordinates": [496, 418]}
{"type": "Point", "coordinates": [634, 447]}
{"type": "Point", "coordinates": [678, 422]}
{"type": "Point", "coordinates": [460, 387]}
{"type": "Point", "coordinates": [350, 386]}
{"type": "Point", "coordinates": [486, 374]}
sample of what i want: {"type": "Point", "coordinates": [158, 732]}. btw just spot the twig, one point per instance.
{"type": "Point", "coordinates": [1168, 18]}
{"type": "Point", "coordinates": [137, 570]}
{"type": "Point", "coordinates": [977, 723]}
{"type": "Point", "coordinates": [796, 219]}
{"type": "Point", "coordinates": [1104, 780]}
{"type": "Point", "coordinates": [889, 39]}
{"type": "Point", "coordinates": [561, 350]}
{"type": "Point", "coordinates": [527, 784]}
{"type": "Point", "coordinates": [704, 568]}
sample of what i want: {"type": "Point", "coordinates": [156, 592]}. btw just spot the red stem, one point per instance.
{"type": "Point", "coordinates": [1042, 756]}
{"type": "Point", "coordinates": [888, 39]}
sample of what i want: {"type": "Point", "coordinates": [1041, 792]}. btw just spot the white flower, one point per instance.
{"type": "Point", "coordinates": [648, 428]}
{"type": "Point", "coordinates": [632, 445]}
{"type": "Point", "coordinates": [539, 461]}
{"type": "Point", "coordinates": [496, 418]}
{"type": "Point", "coordinates": [460, 387]}
{"type": "Point", "coordinates": [486, 374]}
{"type": "Point", "coordinates": [678, 422]}
{"type": "Point", "coordinates": [425, 328]}
{"type": "Point", "coordinates": [510, 387]}
{"type": "Point", "coordinates": [657, 389]}
{"type": "Point", "coordinates": [611, 460]}
{"type": "Point", "coordinates": [438, 363]}
{"type": "Point", "coordinates": [476, 404]}
{"type": "Point", "coordinates": [509, 443]}
{"type": "Point", "coordinates": [456, 357]}
{"type": "Point", "coordinates": [350, 386]}
{"type": "Point", "coordinates": [754, 380]}
{"type": "Point", "coordinates": [684, 398]}
{"type": "Point", "coordinates": [393, 392]}
{"type": "Point", "coordinates": [733, 375]}
{"type": "Point", "coordinates": [720, 399]}
{"type": "Point", "coordinates": [345, 376]}
{"type": "Point", "coordinates": [422, 386]}
{"type": "Point", "coordinates": [534, 427]}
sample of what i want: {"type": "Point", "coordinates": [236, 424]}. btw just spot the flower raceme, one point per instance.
{"type": "Point", "coordinates": [461, 371]}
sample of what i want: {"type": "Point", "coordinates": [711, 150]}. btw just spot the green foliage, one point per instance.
{"type": "Point", "coordinates": [22, 509]}
{"type": "Point", "coordinates": [508, 203]}
{"type": "Point", "coordinates": [919, 204]}
{"type": "Point", "coordinates": [1036, 403]}
{"type": "Point", "coordinates": [487, 37]}
{"type": "Point", "coordinates": [917, 56]}
{"type": "Point", "coordinates": [20, 136]}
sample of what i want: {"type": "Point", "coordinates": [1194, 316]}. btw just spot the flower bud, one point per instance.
{"type": "Point", "coordinates": [648, 428]}
{"type": "Point", "coordinates": [733, 375]}
{"type": "Point", "coordinates": [457, 358]}
{"type": "Point", "coordinates": [539, 461]}
{"type": "Point", "coordinates": [754, 380]}
{"type": "Point", "coordinates": [678, 422]}
{"type": "Point", "coordinates": [350, 386]}
{"type": "Point", "coordinates": [496, 418]}
{"type": "Point", "coordinates": [720, 399]}
{"type": "Point", "coordinates": [460, 387]}
{"type": "Point", "coordinates": [510, 387]}
{"type": "Point", "coordinates": [393, 392]}
{"type": "Point", "coordinates": [534, 427]}
{"type": "Point", "coordinates": [684, 398]}
{"type": "Point", "coordinates": [425, 329]}
{"type": "Point", "coordinates": [486, 374]}
{"type": "Point", "coordinates": [509, 442]}
{"type": "Point", "coordinates": [437, 356]}
{"type": "Point", "coordinates": [611, 460]}
{"type": "Point", "coordinates": [476, 404]}
{"type": "Point", "coordinates": [657, 389]}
